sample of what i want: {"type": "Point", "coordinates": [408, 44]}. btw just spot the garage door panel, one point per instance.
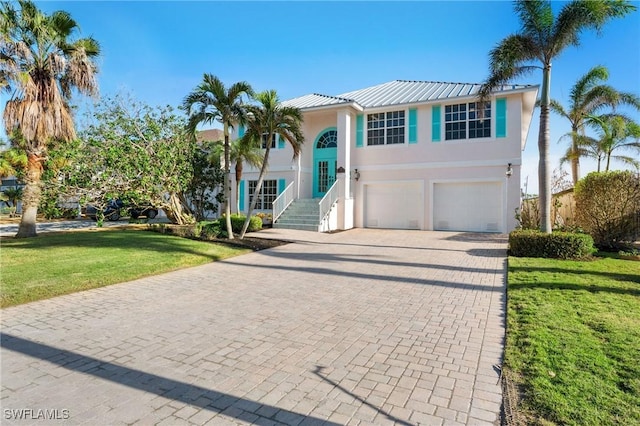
{"type": "Point", "coordinates": [394, 205]}
{"type": "Point", "coordinates": [468, 206]}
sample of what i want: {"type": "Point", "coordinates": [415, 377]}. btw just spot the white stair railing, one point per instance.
{"type": "Point", "coordinates": [329, 199]}
{"type": "Point", "coordinates": [281, 203]}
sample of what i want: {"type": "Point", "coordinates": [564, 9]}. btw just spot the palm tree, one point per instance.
{"type": "Point", "coordinates": [265, 120]}
{"type": "Point", "coordinates": [541, 39]}
{"type": "Point", "coordinates": [241, 151]}
{"type": "Point", "coordinates": [211, 101]}
{"type": "Point", "coordinates": [41, 66]}
{"type": "Point", "coordinates": [616, 132]}
{"type": "Point", "coordinates": [588, 97]}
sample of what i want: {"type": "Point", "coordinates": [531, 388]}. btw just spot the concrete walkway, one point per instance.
{"type": "Point", "coordinates": [358, 327]}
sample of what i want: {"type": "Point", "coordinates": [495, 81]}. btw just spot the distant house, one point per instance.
{"type": "Point", "coordinates": [404, 155]}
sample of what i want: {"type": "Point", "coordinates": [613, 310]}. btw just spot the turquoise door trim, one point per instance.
{"type": "Point", "coordinates": [324, 166]}
{"type": "Point", "coordinates": [413, 125]}
{"type": "Point", "coordinates": [435, 123]}
{"type": "Point", "coordinates": [282, 184]}
{"type": "Point", "coordinates": [359, 131]}
{"type": "Point", "coordinates": [501, 118]}
{"type": "Point", "coordinates": [241, 196]}
{"type": "Point", "coordinates": [280, 142]}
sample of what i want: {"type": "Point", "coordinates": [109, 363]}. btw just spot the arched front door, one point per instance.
{"type": "Point", "coordinates": [325, 158]}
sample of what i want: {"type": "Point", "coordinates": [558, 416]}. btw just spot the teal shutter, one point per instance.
{"type": "Point", "coordinates": [413, 125]}
{"type": "Point", "coordinates": [435, 123]}
{"type": "Point", "coordinates": [241, 196]}
{"type": "Point", "coordinates": [501, 117]}
{"type": "Point", "coordinates": [241, 131]}
{"type": "Point", "coordinates": [282, 184]}
{"type": "Point", "coordinates": [359, 131]}
{"type": "Point", "coordinates": [280, 142]}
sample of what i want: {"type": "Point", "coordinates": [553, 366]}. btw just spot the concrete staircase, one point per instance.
{"type": "Point", "coordinates": [301, 214]}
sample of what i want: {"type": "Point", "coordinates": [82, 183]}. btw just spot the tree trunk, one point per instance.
{"type": "Point", "coordinates": [31, 197]}
{"type": "Point", "coordinates": [238, 179]}
{"type": "Point", "coordinates": [252, 205]}
{"type": "Point", "coordinates": [575, 158]}
{"type": "Point", "coordinates": [176, 212]}
{"type": "Point", "coordinates": [227, 182]}
{"type": "Point", "coordinates": [544, 180]}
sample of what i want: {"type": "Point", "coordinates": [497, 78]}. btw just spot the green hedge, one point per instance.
{"type": "Point", "coordinates": [558, 245]}
{"type": "Point", "coordinates": [207, 230]}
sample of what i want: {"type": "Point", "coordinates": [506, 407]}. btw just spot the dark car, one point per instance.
{"type": "Point", "coordinates": [115, 209]}
{"type": "Point", "coordinates": [148, 211]}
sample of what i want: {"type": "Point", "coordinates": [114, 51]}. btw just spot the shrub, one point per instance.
{"type": "Point", "coordinates": [608, 208]}
{"type": "Point", "coordinates": [559, 245]}
{"type": "Point", "coordinates": [237, 221]}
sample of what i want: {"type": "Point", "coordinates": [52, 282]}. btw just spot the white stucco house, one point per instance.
{"type": "Point", "coordinates": [403, 155]}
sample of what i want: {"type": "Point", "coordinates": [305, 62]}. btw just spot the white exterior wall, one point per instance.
{"type": "Point", "coordinates": [428, 162]}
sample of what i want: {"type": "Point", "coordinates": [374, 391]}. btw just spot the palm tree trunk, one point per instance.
{"type": "Point", "coordinates": [227, 182]}
{"type": "Point", "coordinates": [31, 197]}
{"type": "Point", "coordinates": [238, 179]}
{"type": "Point", "coordinates": [608, 161]}
{"type": "Point", "coordinates": [252, 205]}
{"type": "Point", "coordinates": [575, 158]}
{"type": "Point", "coordinates": [544, 180]}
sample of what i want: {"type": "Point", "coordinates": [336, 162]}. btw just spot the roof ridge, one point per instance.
{"type": "Point", "coordinates": [333, 97]}
{"type": "Point", "coordinates": [455, 82]}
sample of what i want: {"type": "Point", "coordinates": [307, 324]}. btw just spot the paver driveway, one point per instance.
{"type": "Point", "coordinates": [357, 327]}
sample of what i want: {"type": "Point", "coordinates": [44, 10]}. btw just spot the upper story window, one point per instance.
{"type": "Point", "coordinates": [464, 121]}
{"type": "Point", "coordinates": [264, 141]}
{"type": "Point", "coordinates": [385, 128]}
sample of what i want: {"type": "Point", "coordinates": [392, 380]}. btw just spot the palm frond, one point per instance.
{"type": "Point", "coordinates": [576, 16]}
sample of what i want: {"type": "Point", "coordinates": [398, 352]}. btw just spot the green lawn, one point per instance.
{"type": "Point", "coordinates": [61, 263]}
{"type": "Point", "coordinates": [573, 339]}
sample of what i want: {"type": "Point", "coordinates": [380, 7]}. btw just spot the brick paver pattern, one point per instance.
{"type": "Point", "coordinates": [357, 327]}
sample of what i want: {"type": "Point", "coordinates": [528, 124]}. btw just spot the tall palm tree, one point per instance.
{"type": "Point", "coordinates": [211, 101]}
{"type": "Point", "coordinates": [40, 66]}
{"type": "Point", "coordinates": [265, 120]}
{"type": "Point", "coordinates": [241, 151]}
{"type": "Point", "coordinates": [541, 39]}
{"type": "Point", "coordinates": [588, 97]}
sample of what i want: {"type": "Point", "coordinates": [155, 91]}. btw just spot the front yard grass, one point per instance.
{"type": "Point", "coordinates": [573, 340]}
{"type": "Point", "coordinates": [61, 263]}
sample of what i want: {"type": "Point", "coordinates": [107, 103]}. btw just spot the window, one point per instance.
{"type": "Point", "coordinates": [264, 141]}
{"type": "Point", "coordinates": [267, 195]}
{"type": "Point", "coordinates": [464, 121]}
{"type": "Point", "coordinates": [385, 128]}
{"type": "Point", "coordinates": [329, 139]}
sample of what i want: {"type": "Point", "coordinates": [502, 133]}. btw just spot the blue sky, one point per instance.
{"type": "Point", "coordinates": [158, 51]}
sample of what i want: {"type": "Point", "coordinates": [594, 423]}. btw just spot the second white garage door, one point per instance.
{"type": "Point", "coordinates": [468, 206]}
{"type": "Point", "coordinates": [394, 205]}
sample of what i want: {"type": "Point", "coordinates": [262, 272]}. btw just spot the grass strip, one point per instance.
{"type": "Point", "coordinates": [61, 263]}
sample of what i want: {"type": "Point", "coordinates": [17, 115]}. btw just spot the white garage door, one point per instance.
{"type": "Point", "coordinates": [468, 206]}
{"type": "Point", "coordinates": [396, 205]}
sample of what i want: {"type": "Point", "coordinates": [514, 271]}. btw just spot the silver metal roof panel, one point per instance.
{"type": "Point", "coordinates": [398, 92]}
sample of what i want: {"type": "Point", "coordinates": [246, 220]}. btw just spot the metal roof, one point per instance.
{"type": "Point", "coordinates": [399, 92]}
{"type": "Point", "coordinates": [407, 92]}
{"type": "Point", "coordinates": [315, 100]}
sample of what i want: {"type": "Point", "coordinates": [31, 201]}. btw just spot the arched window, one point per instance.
{"type": "Point", "coordinates": [328, 139]}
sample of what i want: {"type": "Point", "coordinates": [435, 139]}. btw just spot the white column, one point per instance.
{"type": "Point", "coordinates": [344, 151]}
{"type": "Point", "coordinates": [345, 206]}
